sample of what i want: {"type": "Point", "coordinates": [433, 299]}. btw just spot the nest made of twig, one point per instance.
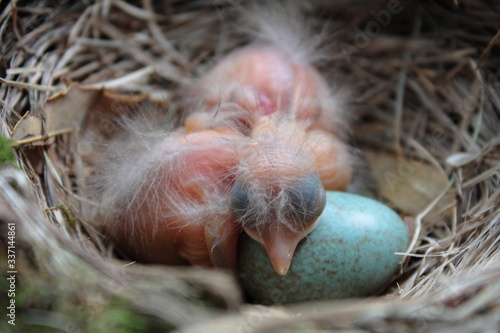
{"type": "Point", "coordinates": [425, 95]}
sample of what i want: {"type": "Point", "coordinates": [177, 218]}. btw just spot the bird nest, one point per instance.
{"type": "Point", "coordinates": [424, 87]}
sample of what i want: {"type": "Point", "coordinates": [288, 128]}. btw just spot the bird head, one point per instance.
{"type": "Point", "coordinates": [277, 195]}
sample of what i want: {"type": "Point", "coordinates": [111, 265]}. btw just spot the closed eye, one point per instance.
{"type": "Point", "coordinates": [307, 200]}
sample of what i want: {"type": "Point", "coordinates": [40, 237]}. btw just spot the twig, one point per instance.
{"type": "Point", "coordinates": [134, 11]}
{"type": "Point", "coordinates": [37, 138]}
{"type": "Point", "coordinates": [488, 49]}
{"type": "Point", "coordinates": [31, 86]}
{"type": "Point", "coordinates": [421, 215]}
{"type": "Point", "coordinates": [116, 83]}
{"type": "Point", "coordinates": [159, 37]}
{"type": "Point", "coordinates": [399, 106]}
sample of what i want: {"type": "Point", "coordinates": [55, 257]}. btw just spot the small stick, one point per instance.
{"type": "Point", "coordinates": [488, 49]}
{"type": "Point", "coordinates": [31, 86]}
{"type": "Point", "coordinates": [37, 138]}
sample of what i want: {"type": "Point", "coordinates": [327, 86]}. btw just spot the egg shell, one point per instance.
{"type": "Point", "coordinates": [349, 254]}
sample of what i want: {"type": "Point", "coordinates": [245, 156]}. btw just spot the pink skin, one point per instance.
{"type": "Point", "coordinates": [263, 85]}
{"type": "Point", "coordinates": [263, 80]}
{"type": "Point", "coordinates": [172, 235]}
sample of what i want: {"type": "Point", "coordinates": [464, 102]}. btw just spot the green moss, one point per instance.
{"type": "Point", "coordinates": [70, 215]}
{"type": "Point", "coordinates": [118, 319]}
{"type": "Point", "coordinates": [7, 156]}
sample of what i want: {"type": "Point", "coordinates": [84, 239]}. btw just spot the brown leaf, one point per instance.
{"type": "Point", "coordinates": [108, 108]}
{"type": "Point", "coordinates": [410, 185]}
{"type": "Point", "coordinates": [28, 127]}
{"type": "Point", "coordinates": [67, 110]}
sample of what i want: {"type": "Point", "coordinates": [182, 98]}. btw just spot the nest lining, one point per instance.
{"type": "Point", "coordinates": [425, 89]}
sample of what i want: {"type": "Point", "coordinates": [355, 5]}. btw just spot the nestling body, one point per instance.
{"type": "Point", "coordinates": [260, 142]}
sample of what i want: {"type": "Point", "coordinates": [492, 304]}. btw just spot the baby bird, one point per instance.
{"type": "Point", "coordinates": [262, 139]}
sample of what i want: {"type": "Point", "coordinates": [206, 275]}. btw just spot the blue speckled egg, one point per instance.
{"type": "Point", "coordinates": [349, 254]}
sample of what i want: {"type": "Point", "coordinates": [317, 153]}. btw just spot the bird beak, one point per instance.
{"type": "Point", "coordinates": [280, 243]}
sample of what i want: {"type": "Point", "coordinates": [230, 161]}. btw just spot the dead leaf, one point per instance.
{"type": "Point", "coordinates": [104, 115]}
{"type": "Point", "coordinates": [67, 110]}
{"type": "Point", "coordinates": [410, 185]}
{"type": "Point", "coordinates": [28, 127]}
